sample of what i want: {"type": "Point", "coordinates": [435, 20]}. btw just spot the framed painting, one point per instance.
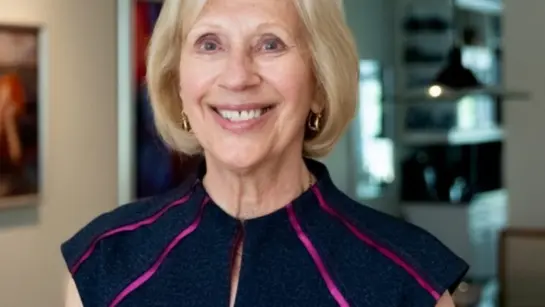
{"type": "Point", "coordinates": [147, 166]}
{"type": "Point", "coordinates": [19, 116]}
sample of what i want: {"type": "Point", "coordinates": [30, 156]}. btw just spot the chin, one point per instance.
{"type": "Point", "coordinates": [239, 158]}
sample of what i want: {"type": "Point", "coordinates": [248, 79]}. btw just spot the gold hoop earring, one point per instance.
{"type": "Point", "coordinates": [185, 123]}
{"type": "Point", "coordinates": [314, 122]}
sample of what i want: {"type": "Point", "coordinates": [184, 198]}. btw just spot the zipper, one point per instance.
{"type": "Point", "coordinates": [236, 248]}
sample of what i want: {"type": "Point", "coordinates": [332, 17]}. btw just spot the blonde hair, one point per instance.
{"type": "Point", "coordinates": [332, 49]}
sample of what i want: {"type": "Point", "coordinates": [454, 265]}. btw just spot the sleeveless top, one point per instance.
{"type": "Point", "coordinates": [322, 249]}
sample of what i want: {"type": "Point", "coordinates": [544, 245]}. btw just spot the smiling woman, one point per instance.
{"type": "Point", "coordinates": [258, 88]}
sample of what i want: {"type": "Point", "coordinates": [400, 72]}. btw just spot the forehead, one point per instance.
{"type": "Point", "coordinates": [251, 13]}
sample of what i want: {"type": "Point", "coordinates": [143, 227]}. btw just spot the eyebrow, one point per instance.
{"type": "Point", "coordinates": [262, 27]}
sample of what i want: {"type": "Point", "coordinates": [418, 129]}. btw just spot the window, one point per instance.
{"type": "Point", "coordinates": [374, 152]}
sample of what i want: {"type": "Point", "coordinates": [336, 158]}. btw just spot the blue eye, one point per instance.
{"type": "Point", "coordinates": [208, 43]}
{"type": "Point", "coordinates": [209, 46]}
{"type": "Point", "coordinates": [272, 45]}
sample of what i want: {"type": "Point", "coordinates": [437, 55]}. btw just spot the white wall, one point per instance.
{"type": "Point", "coordinates": [362, 17]}
{"type": "Point", "coordinates": [79, 178]}
{"type": "Point", "coordinates": [365, 18]}
{"type": "Point", "coordinates": [525, 120]}
{"type": "Point", "coordinates": [371, 22]}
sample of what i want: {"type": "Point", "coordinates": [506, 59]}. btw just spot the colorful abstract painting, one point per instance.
{"type": "Point", "coordinates": [19, 116]}
{"type": "Point", "coordinates": [158, 168]}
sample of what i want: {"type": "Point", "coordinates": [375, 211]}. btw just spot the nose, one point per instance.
{"type": "Point", "coordinates": [239, 72]}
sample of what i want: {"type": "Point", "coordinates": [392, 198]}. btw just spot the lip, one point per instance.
{"type": "Point", "coordinates": [241, 107]}
{"type": "Point", "coordinates": [240, 127]}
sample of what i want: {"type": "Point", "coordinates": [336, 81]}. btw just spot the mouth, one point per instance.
{"type": "Point", "coordinates": [234, 115]}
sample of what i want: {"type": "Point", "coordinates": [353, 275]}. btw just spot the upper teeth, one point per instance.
{"type": "Point", "coordinates": [240, 115]}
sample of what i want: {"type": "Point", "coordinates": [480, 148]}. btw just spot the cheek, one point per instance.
{"type": "Point", "coordinates": [195, 81]}
{"type": "Point", "coordinates": [293, 81]}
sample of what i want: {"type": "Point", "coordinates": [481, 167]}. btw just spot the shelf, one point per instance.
{"type": "Point", "coordinates": [453, 137]}
{"type": "Point", "coordinates": [495, 198]}
{"type": "Point", "coordinates": [432, 204]}
{"type": "Point", "coordinates": [494, 7]}
{"type": "Point", "coordinates": [436, 93]}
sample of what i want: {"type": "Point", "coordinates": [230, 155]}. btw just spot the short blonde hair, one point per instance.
{"type": "Point", "coordinates": [332, 49]}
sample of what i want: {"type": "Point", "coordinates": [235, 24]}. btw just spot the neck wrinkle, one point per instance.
{"type": "Point", "coordinates": [259, 192]}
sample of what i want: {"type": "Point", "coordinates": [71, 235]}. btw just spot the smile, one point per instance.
{"type": "Point", "coordinates": [242, 115]}
{"type": "Point", "coordinates": [242, 118]}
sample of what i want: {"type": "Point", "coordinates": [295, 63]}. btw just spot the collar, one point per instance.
{"type": "Point", "coordinates": [301, 204]}
{"type": "Point", "coordinates": [318, 170]}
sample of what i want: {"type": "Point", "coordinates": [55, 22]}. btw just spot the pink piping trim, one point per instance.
{"type": "Point", "coordinates": [128, 227]}
{"type": "Point", "coordinates": [333, 289]}
{"type": "Point", "coordinates": [151, 271]}
{"type": "Point", "coordinates": [386, 252]}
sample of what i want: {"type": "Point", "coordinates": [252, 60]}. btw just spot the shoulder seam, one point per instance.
{"type": "Point", "coordinates": [125, 228]}
{"type": "Point", "coordinates": [392, 256]}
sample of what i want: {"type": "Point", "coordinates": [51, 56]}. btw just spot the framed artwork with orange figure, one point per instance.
{"type": "Point", "coordinates": [19, 116]}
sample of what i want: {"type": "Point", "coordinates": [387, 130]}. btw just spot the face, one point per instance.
{"type": "Point", "coordinates": [246, 81]}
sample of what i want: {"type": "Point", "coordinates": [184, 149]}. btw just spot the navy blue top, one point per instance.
{"type": "Point", "coordinates": [323, 249]}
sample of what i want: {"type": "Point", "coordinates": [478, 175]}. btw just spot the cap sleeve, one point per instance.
{"type": "Point", "coordinates": [74, 248]}
{"type": "Point", "coordinates": [85, 243]}
{"type": "Point", "coordinates": [441, 270]}
{"type": "Point", "coordinates": [82, 254]}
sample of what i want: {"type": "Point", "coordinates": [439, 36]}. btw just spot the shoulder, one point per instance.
{"type": "Point", "coordinates": [411, 255]}
{"type": "Point", "coordinates": [121, 219]}
{"type": "Point", "coordinates": [117, 241]}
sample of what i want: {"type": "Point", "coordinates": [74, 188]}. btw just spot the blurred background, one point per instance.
{"type": "Point", "coordinates": [449, 134]}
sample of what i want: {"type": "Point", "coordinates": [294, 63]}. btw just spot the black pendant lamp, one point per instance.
{"type": "Point", "coordinates": [454, 81]}
{"type": "Point", "coordinates": [454, 75]}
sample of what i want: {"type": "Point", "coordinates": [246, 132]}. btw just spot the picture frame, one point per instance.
{"type": "Point", "coordinates": [21, 103]}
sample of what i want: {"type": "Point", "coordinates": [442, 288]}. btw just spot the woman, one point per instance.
{"type": "Point", "coordinates": [258, 87]}
{"type": "Point", "coordinates": [12, 106]}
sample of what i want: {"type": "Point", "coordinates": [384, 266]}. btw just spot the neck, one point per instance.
{"type": "Point", "coordinates": [259, 191]}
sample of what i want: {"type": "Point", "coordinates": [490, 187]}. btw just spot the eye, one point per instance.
{"type": "Point", "coordinates": [209, 46]}
{"type": "Point", "coordinates": [208, 43]}
{"type": "Point", "coordinates": [271, 44]}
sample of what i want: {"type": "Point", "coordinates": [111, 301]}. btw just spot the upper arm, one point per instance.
{"type": "Point", "coordinates": [72, 298]}
{"type": "Point", "coordinates": [445, 301]}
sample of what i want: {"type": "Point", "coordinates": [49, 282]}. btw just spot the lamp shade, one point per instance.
{"type": "Point", "coordinates": [453, 82]}
{"type": "Point", "coordinates": [454, 75]}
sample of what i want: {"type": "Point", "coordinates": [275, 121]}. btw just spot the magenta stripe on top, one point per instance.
{"type": "Point", "coordinates": [151, 271]}
{"type": "Point", "coordinates": [366, 239]}
{"type": "Point", "coordinates": [333, 289]}
{"type": "Point", "coordinates": [128, 227]}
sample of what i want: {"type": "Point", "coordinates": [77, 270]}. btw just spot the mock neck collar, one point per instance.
{"type": "Point", "coordinates": [318, 170]}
